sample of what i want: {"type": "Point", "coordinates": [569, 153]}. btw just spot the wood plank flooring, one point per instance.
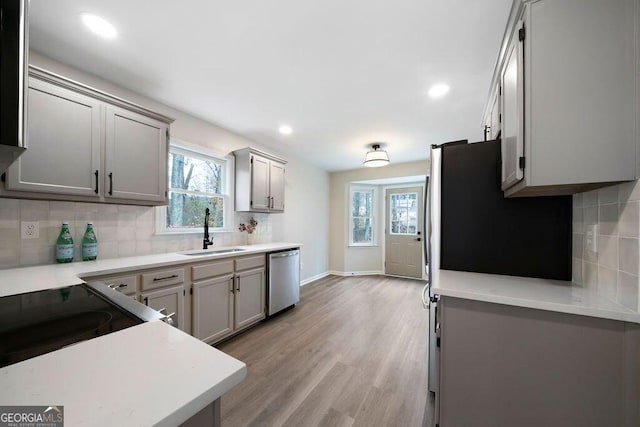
{"type": "Point", "coordinates": [353, 352]}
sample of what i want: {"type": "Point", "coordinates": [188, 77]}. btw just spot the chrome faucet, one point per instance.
{"type": "Point", "coordinates": [207, 240]}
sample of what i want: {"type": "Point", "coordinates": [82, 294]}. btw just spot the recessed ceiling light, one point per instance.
{"type": "Point", "coordinates": [439, 90]}
{"type": "Point", "coordinates": [99, 26]}
{"type": "Point", "coordinates": [285, 130]}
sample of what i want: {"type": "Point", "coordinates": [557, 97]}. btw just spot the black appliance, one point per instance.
{"type": "Point", "coordinates": [472, 227]}
{"type": "Point", "coordinates": [35, 323]}
{"type": "Point", "coordinates": [484, 232]}
{"type": "Point", "coordinates": [14, 67]}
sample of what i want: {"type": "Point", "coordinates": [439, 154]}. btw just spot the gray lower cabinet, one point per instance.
{"type": "Point", "coordinates": [168, 300]}
{"type": "Point", "coordinates": [249, 297]}
{"type": "Point", "coordinates": [213, 308]}
{"type": "Point", "coordinates": [86, 145]}
{"type": "Point", "coordinates": [510, 366]}
{"type": "Point", "coordinates": [228, 296]}
{"type": "Point", "coordinates": [164, 289]}
{"type": "Point", "coordinates": [222, 296]}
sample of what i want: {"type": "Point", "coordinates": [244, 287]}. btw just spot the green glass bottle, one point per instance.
{"type": "Point", "coordinates": [89, 244]}
{"type": "Point", "coordinates": [64, 245]}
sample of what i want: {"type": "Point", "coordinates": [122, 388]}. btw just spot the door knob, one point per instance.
{"type": "Point", "coordinates": [418, 239]}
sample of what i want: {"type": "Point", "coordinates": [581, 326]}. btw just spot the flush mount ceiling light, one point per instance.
{"type": "Point", "coordinates": [376, 157]}
{"type": "Point", "coordinates": [99, 26]}
{"type": "Point", "coordinates": [438, 91]}
{"type": "Point", "coordinates": [285, 130]}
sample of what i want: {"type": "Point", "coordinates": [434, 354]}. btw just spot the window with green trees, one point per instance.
{"type": "Point", "coordinates": [197, 181]}
{"type": "Point", "coordinates": [361, 210]}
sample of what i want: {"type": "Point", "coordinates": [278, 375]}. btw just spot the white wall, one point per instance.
{"type": "Point", "coordinates": [305, 220]}
{"type": "Point", "coordinates": [342, 258]}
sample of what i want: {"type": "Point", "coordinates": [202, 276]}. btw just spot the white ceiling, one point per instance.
{"type": "Point", "coordinates": [342, 74]}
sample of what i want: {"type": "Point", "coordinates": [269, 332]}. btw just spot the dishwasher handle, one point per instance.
{"type": "Point", "coordinates": [284, 254]}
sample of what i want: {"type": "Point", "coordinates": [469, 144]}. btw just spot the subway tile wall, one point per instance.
{"type": "Point", "coordinates": [122, 230]}
{"type": "Point", "coordinates": [608, 262]}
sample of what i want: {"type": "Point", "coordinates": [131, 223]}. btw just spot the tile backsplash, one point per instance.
{"type": "Point", "coordinates": [606, 243]}
{"type": "Point", "coordinates": [122, 230]}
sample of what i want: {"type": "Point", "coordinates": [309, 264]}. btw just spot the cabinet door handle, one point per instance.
{"type": "Point", "coordinates": [110, 183]}
{"type": "Point", "coordinates": [146, 300]}
{"type": "Point", "coordinates": [238, 284]}
{"type": "Point", "coordinates": [157, 279]}
{"type": "Point", "coordinates": [96, 173]}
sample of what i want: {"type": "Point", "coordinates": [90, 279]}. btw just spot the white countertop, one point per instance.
{"type": "Point", "coordinates": [150, 374]}
{"type": "Point", "coordinates": [543, 294]}
{"type": "Point", "coordinates": [28, 279]}
{"type": "Point", "coordinates": [144, 375]}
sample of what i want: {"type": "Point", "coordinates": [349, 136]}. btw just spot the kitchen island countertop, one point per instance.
{"type": "Point", "coordinates": [149, 374]}
{"type": "Point", "coordinates": [543, 294]}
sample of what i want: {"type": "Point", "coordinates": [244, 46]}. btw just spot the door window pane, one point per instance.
{"type": "Point", "coordinates": [404, 213]}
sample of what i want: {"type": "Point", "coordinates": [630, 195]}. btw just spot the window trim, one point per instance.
{"type": "Point", "coordinates": [202, 153]}
{"type": "Point", "coordinates": [374, 217]}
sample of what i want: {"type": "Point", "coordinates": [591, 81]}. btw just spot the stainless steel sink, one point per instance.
{"type": "Point", "coordinates": [215, 252]}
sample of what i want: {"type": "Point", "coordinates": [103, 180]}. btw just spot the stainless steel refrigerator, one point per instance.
{"type": "Point", "coordinates": [472, 227]}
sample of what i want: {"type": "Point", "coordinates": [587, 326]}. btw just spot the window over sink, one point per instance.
{"type": "Point", "coordinates": [198, 179]}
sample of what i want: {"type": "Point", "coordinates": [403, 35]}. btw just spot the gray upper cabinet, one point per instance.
{"type": "Point", "coordinates": [60, 158]}
{"type": "Point", "coordinates": [512, 141]}
{"type": "Point", "coordinates": [260, 195]}
{"type": "Point", "coordinates": [136, 156]}
{"type": "Point", "coordinates": [492, 120]}
{"type": "Point", "coordinates": [86, 145]}
{"type": "Point", "coordinates": [276, 186]}
{"type": "Point", "coordinates": [259, 181]}
{"type": "Point", "coordinates": [568, 101]}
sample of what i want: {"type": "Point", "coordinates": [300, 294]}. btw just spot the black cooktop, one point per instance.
{"type": "Point", "coordinates": [39, 322]}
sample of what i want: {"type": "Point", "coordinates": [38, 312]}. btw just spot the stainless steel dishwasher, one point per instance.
{"type": "Point", "coordinates": [283, 286]}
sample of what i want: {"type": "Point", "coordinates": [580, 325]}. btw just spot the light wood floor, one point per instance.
{"type": "Point", "coordinates": [353, 352]}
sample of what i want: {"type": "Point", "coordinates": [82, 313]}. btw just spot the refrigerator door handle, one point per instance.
{"type": "Point", "coordinates": [427, 222]}
{"type": "Point", "coordinates": [425, 299]}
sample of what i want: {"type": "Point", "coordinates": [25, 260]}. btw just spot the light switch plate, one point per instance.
{"type": "Point", "coordinates": [30, 229]}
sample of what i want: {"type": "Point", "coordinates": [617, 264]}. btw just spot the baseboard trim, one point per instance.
{"type": "Point", "coordinates": [314, 278]}
{"type": "Point", "coordinates": [356, 273]}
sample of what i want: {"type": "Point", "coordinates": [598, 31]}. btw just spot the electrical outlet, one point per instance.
{"type": "Point", "coordinates": [30, 229]}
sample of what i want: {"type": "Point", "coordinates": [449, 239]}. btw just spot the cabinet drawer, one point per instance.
{"type": "Point", "coordinates": [126, 284]}
{"type": "Point", "coordinates": [212, 269]}
{"type": "Point", "coordinates": [160, 279]}
{"type": "Point", "coordinates": [248, 262]}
